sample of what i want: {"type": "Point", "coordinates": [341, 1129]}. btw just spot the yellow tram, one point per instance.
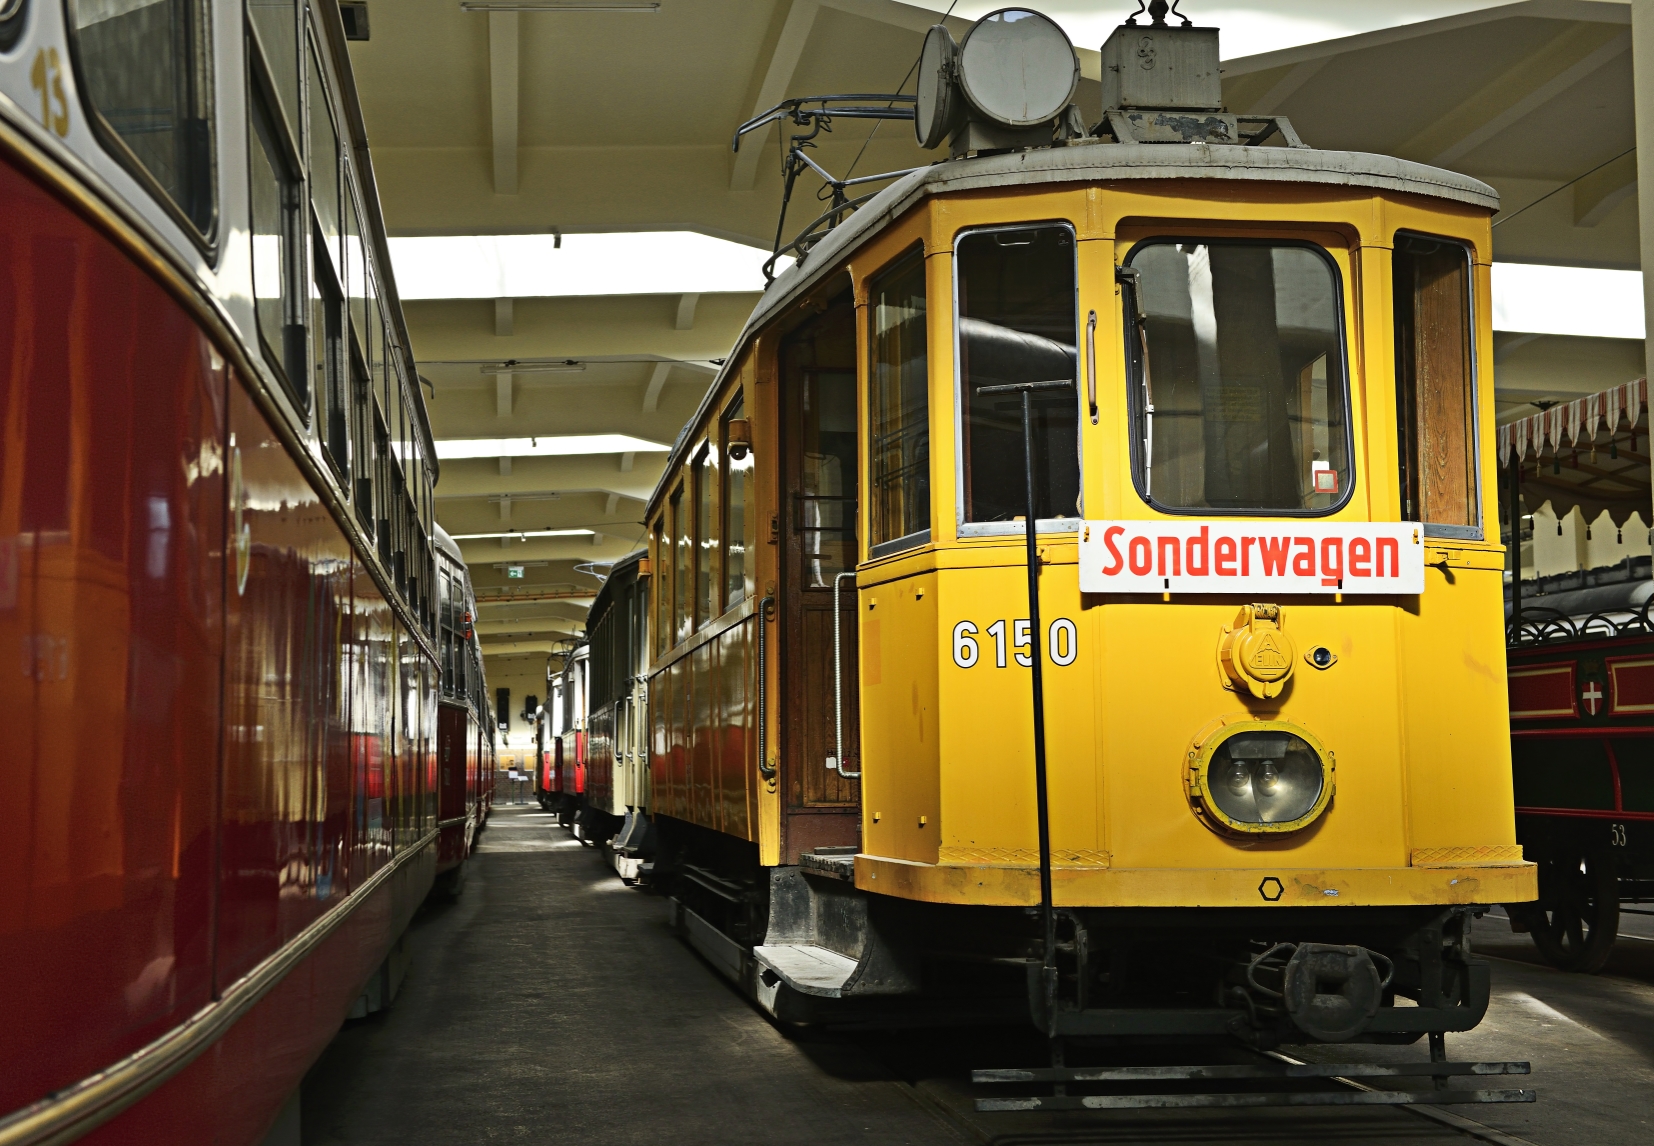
{"type": "Point", "coordinates": [1269, 578]}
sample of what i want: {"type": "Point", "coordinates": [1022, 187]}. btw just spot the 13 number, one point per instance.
{"type": "Point", "coordinates": [46, 77]}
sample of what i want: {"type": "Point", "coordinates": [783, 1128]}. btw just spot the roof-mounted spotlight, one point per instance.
{"type": "Point", "coordinates": [1007, 84]}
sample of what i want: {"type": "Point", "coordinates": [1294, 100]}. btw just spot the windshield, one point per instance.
{"type": "Point", "coordinates": [1017, 324]}
{"type": "Point", "coordinates": [1237, 376]}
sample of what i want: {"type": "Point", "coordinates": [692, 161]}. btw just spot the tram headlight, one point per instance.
{"type": "Point", "coordinates": [1260, 776]}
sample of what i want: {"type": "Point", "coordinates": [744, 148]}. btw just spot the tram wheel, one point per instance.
{"type": "Point", "coordinates": [1577, 916]}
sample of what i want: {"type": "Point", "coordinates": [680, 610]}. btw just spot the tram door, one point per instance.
{"type": "Point", "coordinates": [818, 538]}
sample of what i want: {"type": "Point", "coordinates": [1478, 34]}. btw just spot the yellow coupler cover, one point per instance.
{"type": "Point", "coordinates": [1505, 881]}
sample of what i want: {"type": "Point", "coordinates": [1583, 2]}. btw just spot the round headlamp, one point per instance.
{"type": "Point", "coordinates": [1257, 776]}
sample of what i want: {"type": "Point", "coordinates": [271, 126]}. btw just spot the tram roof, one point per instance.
{"type": "Point", "coordinates": [448, 545]}
{"type": "Point", "coordinates": [1091, 162]}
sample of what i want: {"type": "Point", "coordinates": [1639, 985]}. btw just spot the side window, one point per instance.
{"type": "Point", "coordinates": [328, 369]}
{"type": "Point", "coordinates": [1435, 392]}
{"type": "Point", "coordinates": [146, 72]}
{"type": "Point", "coordinates": [358, 353]}
{"type": "Point", "coordinates": [898, 403]}
{"type": "Point", "coordinates": [706, 535]}
{"type": "Point", "coordinates": [681, 566]}
{"type": "Point", "coordinates": [1017, 323]}
{"type": "Point", "coordinates": [663, 588]}
{"type": "Point", "coordinates": [277, 217]}
{"type": "Point", "coordinates": [276, 24]}
{"type": "Point", "coordinates": [737, 531]}
{"type": "Point", "coordinates": [327, 320]}
{"type": "Point", "coordinates": [12, 13]}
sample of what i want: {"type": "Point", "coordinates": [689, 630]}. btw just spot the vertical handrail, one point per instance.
{"type": "Point", "coordinates": [835, 762]}
{"type": "Point", "coordinates": [764, 768]}
{"type": "Point", "coordinates": [1036, 658]}
{"type": "Point", "coordinates": [1091, 364]}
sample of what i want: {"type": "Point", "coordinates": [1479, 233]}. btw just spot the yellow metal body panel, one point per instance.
{"type": "Point", "coordinates": [1414, 708]}
{"type": "Point", "coordinates": [1009, 886]}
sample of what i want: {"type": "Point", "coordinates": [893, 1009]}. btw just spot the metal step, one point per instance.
{"type": "Point", "coordinates": [806, 968]}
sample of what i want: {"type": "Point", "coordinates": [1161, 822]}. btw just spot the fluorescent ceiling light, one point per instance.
{"type": "Point", "coordinates": [524, 533]}
{"type": "Point", "coordinates": [553, 266]}
{"type": "Point", "coordinates": [551, 447]}
{"type": "Point", "coordinates": [560, 5]}
{"type": "Point", "coordinates": [512, 366]}
{"type": "Point", "coordinates": [1250, 27]}
{"type": "Point", "coordinates": [1532, 298]}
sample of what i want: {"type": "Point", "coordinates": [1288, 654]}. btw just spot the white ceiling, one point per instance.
{"type": "Point", "coordinates": [584, 123]}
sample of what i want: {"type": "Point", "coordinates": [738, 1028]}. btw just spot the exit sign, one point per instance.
{"type": "Point", "coordinates": [515, 572]}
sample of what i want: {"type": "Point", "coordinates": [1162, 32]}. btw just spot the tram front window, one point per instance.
{"type": "Point", "coordinates": [1238, 380]}
{"type": "Point", "coordinates": [1017, 324]}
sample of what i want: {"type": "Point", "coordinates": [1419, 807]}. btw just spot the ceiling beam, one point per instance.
{"type": "Point", "coordinates": [1284, 88]}
{"type": "Point", "coordinates": [531, 645]}
{"type": "Point", "coordinates": [1582, 11]}
{"type": "Point", "coordinates": [1517, 92]}
{"type": "Point", "coordinates": [657, 383]}
{"type": "Point", "coordinates": [686, 312]}
{"type": "Point", "coordinates": [489, 551]}
{"type": "Point", "coordinates": [504, 58]}
{"type": "Point", "coordinates": [789, 32]}
{"type": "Point", "coordinates": [1598, 193]}
{"type": "Point", "coordinates": [597, 473]}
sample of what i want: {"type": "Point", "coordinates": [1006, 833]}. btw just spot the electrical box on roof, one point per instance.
{"type": "Point", "coordinates": [1162, 67]}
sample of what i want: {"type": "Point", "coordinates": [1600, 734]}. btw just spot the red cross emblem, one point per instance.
{"type": "Point", "coordinates": [1592, 696]}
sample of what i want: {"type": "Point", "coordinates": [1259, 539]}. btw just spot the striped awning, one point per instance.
{"type": "Point", "coordinates": [1578, 422]}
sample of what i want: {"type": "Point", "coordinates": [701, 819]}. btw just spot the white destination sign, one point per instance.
{"type": "Point", "coordinates": [1251, 557]}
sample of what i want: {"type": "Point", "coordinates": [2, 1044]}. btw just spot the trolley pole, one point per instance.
{"type": "Point", "coordinates": [1048, 969]}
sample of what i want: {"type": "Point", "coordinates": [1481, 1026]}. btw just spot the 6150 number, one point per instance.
{"type": "Point", "coordinates": [1062, 640]}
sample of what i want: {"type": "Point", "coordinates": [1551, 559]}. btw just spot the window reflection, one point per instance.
{"type": "Point", "coordinates": [1431, 281]}
{"type": "Point", "coordinates": [146, 68]}
{"type": "Point", "coordinates": [738, 540]}
{"type": "Point", "coordinates": [819, 374]}
{"type": "Point", "coordinates": [1017, 323]}
{"type": "Point", "coordinates": [1237, 376]}
{"type": "Point", "coordinates": [899, 405]}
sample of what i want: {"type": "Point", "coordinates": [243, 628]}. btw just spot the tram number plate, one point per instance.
{"type": "Point", "coordinates": [1251, 557]}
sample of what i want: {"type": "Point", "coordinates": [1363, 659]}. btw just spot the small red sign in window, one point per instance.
{"type": "Point", "coordinates": [1326, 481]}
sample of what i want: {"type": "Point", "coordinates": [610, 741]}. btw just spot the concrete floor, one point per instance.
{"type": "Point", "coordinates": [552, 1005]}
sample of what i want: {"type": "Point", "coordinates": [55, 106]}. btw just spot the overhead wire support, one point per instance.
{"type": "Point", "coordinates": [817, 114]}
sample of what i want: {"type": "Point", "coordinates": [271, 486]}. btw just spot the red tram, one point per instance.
{"type": "Point", "coordinates": [220, 803]}
{"type": "Point", "coordinates": [465, 737]}
{"type": "Point", "coordinates": [565, 729]}
{"type": "Point", "coordinates": [1581, 665]}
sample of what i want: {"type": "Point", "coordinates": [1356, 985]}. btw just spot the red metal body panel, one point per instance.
{"type": "Point", "coordinates": [1543, 691]}
{"type": "Point", "coordinates": [196, 767]}
{"type": "Point", "coordinates": [1631, 685]}
{"type": "Point", "coordinates": [457, 785]}
{"type": "Point", "coordinates": [111, 628]}
{"type": "Point", "coordinates": [600, 758]}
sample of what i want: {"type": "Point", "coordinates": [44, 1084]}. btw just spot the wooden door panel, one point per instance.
{"type": "Point", "coordinates": [813, 785]}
